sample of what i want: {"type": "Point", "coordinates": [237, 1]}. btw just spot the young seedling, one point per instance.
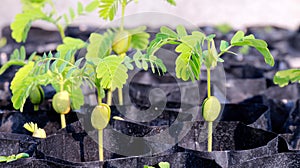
{"type": "Point", "coordinates": [121, 40]}
{"type": "Point", "coordinates": [18, 58]}
{"type": "Point", "coordinates": [99, 119]}
{"type": "Point", "coordinates": [33, 10]}
{"type": "Point", "coordinates": [108, 63]}
{"type": "Point", "coordinates": [192, 56]}
{"type": "Point", "coordinates": [36, 132]}
{"type": "Point", "coordinates": [57, 70]}
{"type": "Point", "coordinates": [13, 157]}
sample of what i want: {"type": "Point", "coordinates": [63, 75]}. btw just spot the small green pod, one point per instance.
{"type": "Point", "coordinates": [61, 102]}
{"type": "Point", "coordinates": [100, 116]}
{"type": "Point", "coordinates": [211, 109]}
{"type": "Point", "coordinates": [121, 42]}
{"type": "Point", "coordinates": [37, 95]}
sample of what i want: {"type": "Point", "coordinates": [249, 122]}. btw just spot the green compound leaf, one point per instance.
{"type": "Point", "coordinates": [22, 23]}
{"type": "Point", "coordinates": [238, 36]}
{"type": "Point", "coordinates": [70, 44]}
{"type": "Point", "coordinates": [139, 38]}
{"type": "Point", "coordinates": [257, 43]}
{"type": "Point", "coordinates": [112, 72]}
{"type": "Point", "coordinates": [181, 31]}
{"type": "Point", "coordinates": [21, 85]}
{"type": "Point", "coordinates": [193, 39]}
{"type": "Point", "coordinates": [184, 69]}
{"type": "Point", "coordinates": [267, 55]}
{"type": "Point", "coordinates": [76, 96]}
{"type": "Point", "coordinates": [224, 45]}
{"type": "Point", "coordinates": [141, 61]}
{"type": "Point", "coordinates": [108, 9]}
{"type": "Point", "coordinates": [32, 4]}
{"type": "Point", "coordinates": [100, 46]}
{"type": "Point", "coordinates": [72, 13]}
{"type": "Point", "coordinates": [260, 45]}
{"type": "Point", "coordinates": [92, 6]}
{"type": "Point", "coordinates": [169, 32]}
{"type": "Point", "coordinates": [282, 78]}
{"type": "Point", "coordinates": [11, 63]}
{"type": "Point", "coordinates": [127, 62]}
{"type": "Point", "coordinates": [16, 58]}
{"type": "Point", "coordinates": [79, 8]}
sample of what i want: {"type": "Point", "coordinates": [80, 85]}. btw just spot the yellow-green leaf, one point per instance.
{"type": "Point", "coordinates": [22, 22]}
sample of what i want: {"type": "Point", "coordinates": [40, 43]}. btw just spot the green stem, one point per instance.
{"type": "Point", "coordinates": [35, 107]}
{"type": "Point", "coordinates": [120, 94]}
{"type": "Point", "coordinates": [100, 145]}
{"type": "Point", "coordinates": [109, 97]}
{"type": "Point", "coordinates": [99, 96]}
{"type": "Point", "coordinates": [209, 140]}
{"type": "Point", "coordinates": [123, 14]}
{"type": "Point", "coordinates": [61, 31]}
{"type": "Point", "coordinates": [61, 83]}
{"type": "Point", "coordinates": [63, 121]}
{"type": "Point", "coordinates": [62, 116]}
{"type": "Point", "coordinates": [226, 50]}
{"type": "Point", "coordinates": [209, 132]}
{"type": "Point", "coordinates": [59, 59]}
{"type": "Point", "coordinates": [208, 83]}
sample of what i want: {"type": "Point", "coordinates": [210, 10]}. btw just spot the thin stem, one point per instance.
{"type": "Point", "coordinates": [100, 145]}
{"type": "Point", "coordinates": [62, 116]}
{"type": "Point", "coordinates": [123, 14]}
{"type": "Point", "coordinates": [209, 136]}
{"type": "Point", "coordinates": [99, 96]}
{"type": "Point", "coordinates": [208, 83]}
{"type": "Point", "coordinates": [61, 31]}
{"type": "Point", "coordinates": [109, 97]}
{"type": "Point", "coordinates": [226, 50]}
{"type": "Point", "coordinates": [53, 58]}
{"type": "Point", "coordinates": [35, 107]}
{"type": "Point", "coordinates": [61, 83]}
{"type": "Point", "coordinates": [209, 132]}
{"type": "Point", "coordinates": [120, 94]}
{"type": "Point", "coordinates": [63, 121]}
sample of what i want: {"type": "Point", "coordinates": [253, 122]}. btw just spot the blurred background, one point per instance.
{"type": "Point", "coordinates": [237, 13]}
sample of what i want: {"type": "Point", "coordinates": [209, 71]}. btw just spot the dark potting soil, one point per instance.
{"type": "Point", "coordinates": [237, 90]}
{"type": "Point", "coordinates": [255, 115]}
{"type": "Point", "coordinates": [292, 127]}
{"type": "Point", "coordinates": [176, 160]}
{"type": "Point", "coordinates": [281, 160]}
{"type": "Point", "coordinates": [76, 149]}
{"type": "Point", "coordinates": [233, 143]}
{"type": "Point", "coordinates": [16, 143]}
